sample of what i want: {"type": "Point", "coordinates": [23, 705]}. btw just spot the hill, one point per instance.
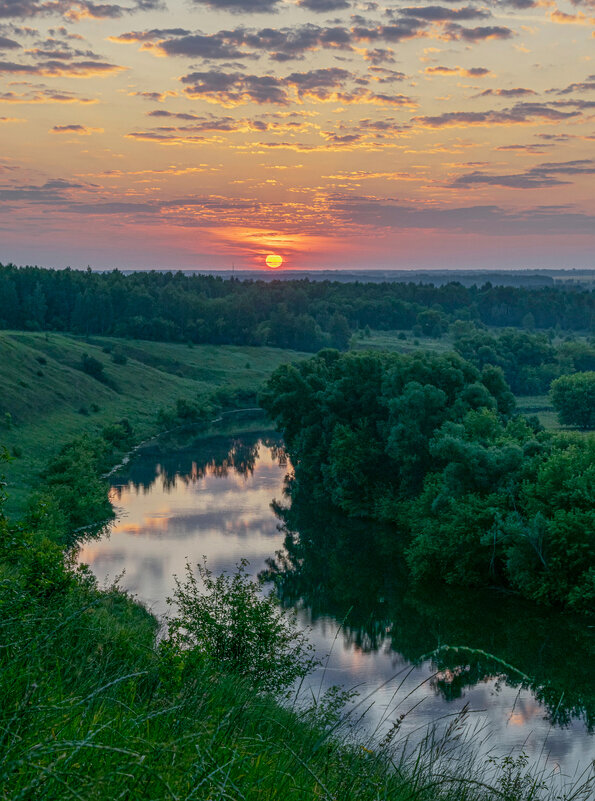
{"type": "Point", "coordinates": [46, 397]}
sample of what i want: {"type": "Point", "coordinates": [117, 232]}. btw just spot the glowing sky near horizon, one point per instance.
{"type": "Point", "coordinates": [336, 134]}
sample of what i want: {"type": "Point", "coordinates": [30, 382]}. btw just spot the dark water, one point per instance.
{"type": "Point", "coordinates": [525, 675]}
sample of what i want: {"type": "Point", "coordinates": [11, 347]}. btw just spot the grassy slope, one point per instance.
{"type": "Point", "coordinates": [45, 400]}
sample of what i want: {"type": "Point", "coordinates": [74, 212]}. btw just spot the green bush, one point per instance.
{"type": "Point", "coordinates": [573, 397]}
{"type": "Point", "coordinates": [230, 624]}
{"type": "Point", "coordinates": [92, 366]}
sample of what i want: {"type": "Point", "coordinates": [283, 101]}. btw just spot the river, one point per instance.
{"type": "Point", "coordinates": [524, 675]}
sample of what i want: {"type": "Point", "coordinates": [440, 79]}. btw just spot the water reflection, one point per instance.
{"type": "Point", "coordinates": [209, 499]}
{"type": "Point", "coordinates": [529, 671]}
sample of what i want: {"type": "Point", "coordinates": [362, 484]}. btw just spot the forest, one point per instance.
{"type": "Point", "coordinates": [300, 314]}
{"type": "Point", "coordinates": [477, 494]}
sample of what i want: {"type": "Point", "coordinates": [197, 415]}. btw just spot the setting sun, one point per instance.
{"type": "Point", "coordinates": [274, 261]}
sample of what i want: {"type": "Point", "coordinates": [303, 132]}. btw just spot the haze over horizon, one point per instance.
{"type": "Point", "coordinates": [198, 134]}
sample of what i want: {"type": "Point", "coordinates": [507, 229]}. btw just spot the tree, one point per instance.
{"type": "Point", "coordinates": [573, 397]}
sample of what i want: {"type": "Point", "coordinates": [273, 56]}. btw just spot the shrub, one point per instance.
{"type": "Point", "coordinates": [92, 366]}
{"type": "Point", "coordinates": [120, 434]}
{"type": "Point", "coordinates": [573, 397]}
{"type": "Point", "coordinates": [229, 623]}
{"type": "Point", "coordinates": [118, 357]}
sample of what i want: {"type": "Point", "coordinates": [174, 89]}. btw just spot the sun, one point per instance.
{"type": "Point", "coordinates": [273, 260]}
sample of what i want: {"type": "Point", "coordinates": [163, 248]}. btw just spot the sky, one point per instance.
{"type": "Point", "coordinates": [206, 134]}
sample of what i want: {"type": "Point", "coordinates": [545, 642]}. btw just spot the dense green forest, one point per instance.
{"type": "Point", "coordinates": [301, 314]}
{"type": "Point", "coordinates": [479, 495]}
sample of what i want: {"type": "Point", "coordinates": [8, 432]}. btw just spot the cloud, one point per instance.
{"type": "Point", "coordinates": [8, 44]}
{"type": "Point", "coordinates": [241, 6]}
{"type": "Point", "coordinates": [280, 44]}
{"type": "Point", "coordinates": [72, 9]}
{"type": "Point", "coordinates": [588, 85]}
{"type": "Point", "coordinates": [402, 30]}
{"type": "Point", "coordinates": [518, 91]}
{"type": "Point", "coordinates": [44, 95]}
{"type": "Point", "coordinates": [326, 84]}
{"type": "Point", "coordinates": [324, 6]}
{"type": "Point", "coordinates": [534, 148]}
{"type": "Point", "coordinates": [201, 124]}
{"type": "Point", "coordinates": [442, 14]}
{"type": "Point", "coordinates": [286, 43]}
{"type": "Point", "coordinates": [379, 213]}
{"type": "Point", "coordinates": [57, 68]}
{"type": "Point", "coordinates": [571, 19]}
{"type": "Point", "coordinates": [480, 34]}
{"type": "Point", "coordinates": [152, 35]}
{"type": "Point", "coordinates": [233, 88]}
{"type": "Point", "coordinates": [379, 55]}
{"type": "Point", "coordinates": [383, 75]}
{"type": "Point", "coordinates": [367, 132]}
{"type": "Point", "coordinates": [51, 192]}
{"type": "Point", "coordinates": [473, 72]}
{"type": "Point", "coordinates": [539, 177]}
{"type": "Point", "coordinates": [520, 114]}
{"type": "Point", "coordinates": [157, 97]}
{"type": "Point", "coordinates": [75, 128]}
{"type": "Point", "coordinates": [199, 46]}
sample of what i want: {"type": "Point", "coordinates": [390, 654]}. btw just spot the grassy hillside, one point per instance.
{"type": "Point", "coordinates": [50, 399]}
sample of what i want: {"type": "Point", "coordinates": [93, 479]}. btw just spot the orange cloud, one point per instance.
{"type": "Point", "coordinates": [473, 72]}
{"type": "Point", "coordinates": [571, 19]}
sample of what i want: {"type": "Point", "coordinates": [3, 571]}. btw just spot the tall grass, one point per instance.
{"type": "Point", "coordinates": [94, 706]}
{"type": "Point", "coordinates": [93, 709]}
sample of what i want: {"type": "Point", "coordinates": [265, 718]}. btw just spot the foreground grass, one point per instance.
{"type": "Point", "coordinates": [50, 399]}
{"type": "Point", "coordinates": [92, 709]}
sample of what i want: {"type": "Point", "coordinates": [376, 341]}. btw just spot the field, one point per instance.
{"type": "Point", "coordinates": [50, 399]}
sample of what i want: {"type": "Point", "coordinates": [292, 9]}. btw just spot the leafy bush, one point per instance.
{"type": "Point", "coordinates": [118, 357]}
{"type": "Point", "coordinates": [229, 623]}
{"type": "Point", "coordinates": [573, 397]}
{"type": "Point", "coordinates": [120, 434]}
{"type": "Point", "coordinates": [92, 366]}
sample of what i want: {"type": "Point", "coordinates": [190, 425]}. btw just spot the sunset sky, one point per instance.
{"type": "Point", "coordinates": [337, 134]}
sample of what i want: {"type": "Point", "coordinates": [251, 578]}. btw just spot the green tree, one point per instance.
{"type": "Point", "coordinates": [573, 397]}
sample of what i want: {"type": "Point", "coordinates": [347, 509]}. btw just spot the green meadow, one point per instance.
{"type": "Point", "coordinates": [50, 399]}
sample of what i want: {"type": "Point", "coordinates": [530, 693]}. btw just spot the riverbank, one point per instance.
{"type": "Point", "coordinates": [94, 708]}
{"type": "Point", "coordinates": [47, 398]}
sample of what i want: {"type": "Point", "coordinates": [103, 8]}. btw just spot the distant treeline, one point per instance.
{"type": "Point", "coordinates": [301, 314]}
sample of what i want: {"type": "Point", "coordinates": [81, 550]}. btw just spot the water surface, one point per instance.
{"type": "Point", "coordinates": [523, 674]}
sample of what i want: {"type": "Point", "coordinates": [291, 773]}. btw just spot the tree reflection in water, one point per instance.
{"type": "Point", "coordinates": [215, 456]}
{"type": "Point", "coordinates": [353, 570]}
